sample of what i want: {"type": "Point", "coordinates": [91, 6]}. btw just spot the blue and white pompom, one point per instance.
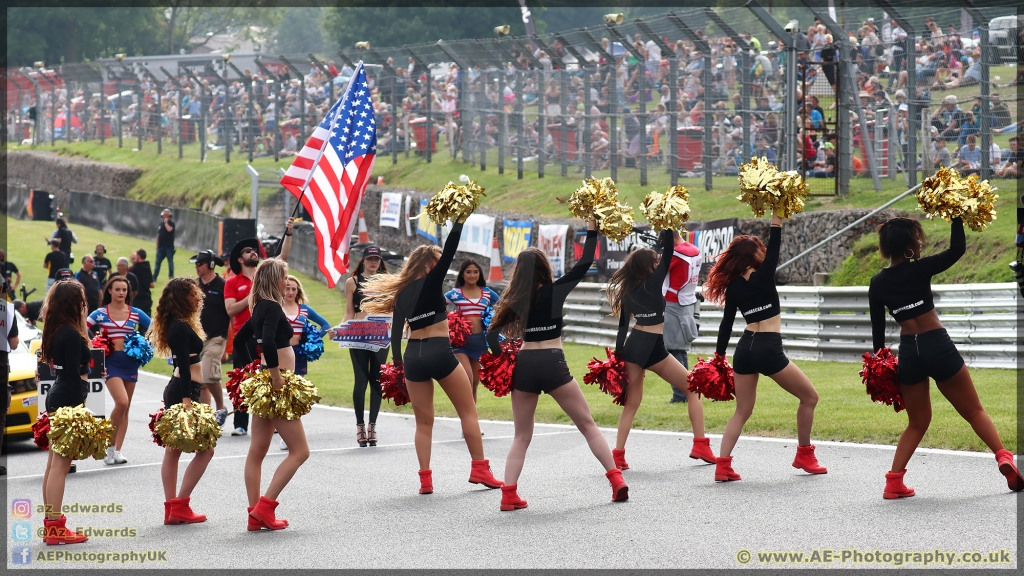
{"type": "Point", "coordinates": [312, 344]}
{"type": "Point", "coordinates": [486, 318]}
{"type": "Point", "coordinates": [138, 348]}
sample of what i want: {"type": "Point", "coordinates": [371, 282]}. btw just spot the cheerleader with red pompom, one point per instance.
{"type": "Point", "coordinates": [743, 279]}
{"type": "Point", "coordinates": [471, 298]}
{"type": "Point", "coordinates": [531, 307]}
{"type": "Point", "coordinates": [925, 351]}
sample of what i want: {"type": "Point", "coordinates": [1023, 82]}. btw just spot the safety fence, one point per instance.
{"type": "Point", "coordinates": [832, 323]}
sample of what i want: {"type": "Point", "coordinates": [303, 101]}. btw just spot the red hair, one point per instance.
{"type": "Point", "coordinates": [743, 252]}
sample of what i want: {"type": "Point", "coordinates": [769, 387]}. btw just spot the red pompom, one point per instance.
{"type": "Point", "coordinates": [459, 329]}
{"type": "Point", "coordinates": [496, 371]}
{"type": "Point", "coordinates": [713, 379]}
{"type": "Point", "coordinates": [610, 376]}
{"type": "Point", "coordinates": [392, 384]}
{"type": "Point", "coordinates": [101, 342]}
{"type": "Point", "coordinates": [153, 419]}
{"type": "Point", "coordinates": [879, 375]}
{"type": "Point", "coordinates": [235, 378]}
{"type": "Point", "coordinates": [39, 430]}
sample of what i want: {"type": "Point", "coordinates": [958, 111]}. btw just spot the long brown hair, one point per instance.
{"type": "Point", "coordinates": [181, 300]}
{"type": "Point", "coordinates": [382, 269]}
{"type": "Point", "coordinates": [107, 298]}
{"type": "Point", "coordinates": [531, 272]}
{"type": "Point", "coordinates": [266, 284]}
{"type": "Point", "coordinates": [743, 252]}
{"type": "Point", "coordinates": [638, 266]}
{"type": "Point", "coordinates": [381, 290]}
{"type": "Point", "coordinates": [64, 306]}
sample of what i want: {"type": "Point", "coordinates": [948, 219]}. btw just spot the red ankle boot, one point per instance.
{"type": "Point", "coordinates": [894, 486]}
{"type": "Point", "coordinates": [179, 512]}
{"type": "Point", "coordinates": [56, 532]}
{"type": "Point", "coordinates": [702, 450]}
{"type": "Point", "coordinates": [426, 482]}
{"type": "Point", "coordinates": [620, 490]}
{"type": "Point", "coordinates": [805, 459]}
{"type": "Point", "coordinates": [620, 458]}
{"type": "Point", "coordinates": [264, 512]}
{"type": "Point", "coordinates": [255, 524]}
{"type": "Point", "coordinates": [510, 499]}
{"type": "Point", "coordinates": [1013, 478]}
{"type": "Point", "coordinates": [724, 471]}
{"type": "Point", "coordinates": [480, 473]}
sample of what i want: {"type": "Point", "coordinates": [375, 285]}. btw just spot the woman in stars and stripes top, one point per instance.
{"type": "Point", "coordinates": [471, 297]}
{"type": "Point", "coordinates": [299, 314]}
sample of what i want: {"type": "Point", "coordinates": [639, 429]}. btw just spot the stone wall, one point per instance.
{"type": "Point", "coordinates": [59, 175]}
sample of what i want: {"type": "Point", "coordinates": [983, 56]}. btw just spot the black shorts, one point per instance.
{"type": "Point", "coordinates": [541, 370]}
{"type": "Point", "coordinates": [928, 355]}
{"type": "Point", "coordinates": [69, 392]}
{"type": "Point", "coordinates": [645, 349]}
{"type": "Point", "coordinates": [759, 353]}
{"type": "Point", "coordinates": [429, 359]}
{"type": "Point", "coordinates": [172, 392]}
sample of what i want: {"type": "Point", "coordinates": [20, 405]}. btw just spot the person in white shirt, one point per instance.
{"type": "Point", "coordinates": [653, 56]}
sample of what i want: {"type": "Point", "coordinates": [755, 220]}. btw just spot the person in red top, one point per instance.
{"type": "Point", "coordinates": [245, 256]}
{"type": "Point", "coordinates": [681, 307]}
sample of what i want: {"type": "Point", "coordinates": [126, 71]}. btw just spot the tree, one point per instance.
{"type": "Point", "coordinates": [300, 31]}
{"type": "Point", "coordinates": [188, 24]}
{"type": "Point", "coordinates": [56, 34]}
{"type": "Point", "coordinates": [397, 25]}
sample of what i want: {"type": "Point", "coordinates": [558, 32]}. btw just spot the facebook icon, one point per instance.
{"type": "Point", "coordinates": [21, 555]}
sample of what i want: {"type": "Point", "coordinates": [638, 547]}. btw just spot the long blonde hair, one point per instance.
{"type": "Point", "coordinates": [266, 284]}
{"type": "Point", "coordinates": [300, 296]}
{"type": "Point", "coordinates": [181, 300]}
{"type": "Point", "coordinates": [382, 290]}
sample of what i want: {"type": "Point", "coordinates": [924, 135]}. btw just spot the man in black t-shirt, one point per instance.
{"type": "Point", "coordinates": [165, 244]}
{"type": "Point", "coordinates": [87, 278]}
{"type": "Point", "coordinates": [101, 264]}
{"type": "Point", "coordinates": [143, 300]}
{"type": "Point", "coordinates": [215, 320]}
{"type": "Point", "coordinates": [10, 271]}
{"type": "Point", "coordinates": [65, 236]}
{"type": "Point", "coordinates": [54, 261]}
{"type": "Point", "coordinates": [29, 311]}
{"type": "Point", "coordinates": [124, 270]}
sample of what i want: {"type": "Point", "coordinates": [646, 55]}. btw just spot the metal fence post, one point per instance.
{"type": "Point", "coordinates": [522, 120]}
{"type": "Point", "coordinates": [542, 123]}
{"type": "Point", "coordinates": [562, 134]}
{"type": "Point", "coordinates": [586, 133]}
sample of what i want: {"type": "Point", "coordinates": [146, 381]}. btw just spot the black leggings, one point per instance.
{"type": "Point", "coordinates": [366, 365]}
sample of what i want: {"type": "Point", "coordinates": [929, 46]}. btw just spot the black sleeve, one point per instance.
{"type": "Point", "coordinates": [565, 284]}
{"type": "Point", "coordinates": [12, 332]}
{"type": "Point", "coordinates": [877, 310]}
{"type": "Point", "coordinates": [620, 336]}
{"type": "Point", "coordinates": [493, 344]}
{"type": "Point", "coordinates": [435, 277]}
{"type": "Point", "coordinates": [725, 328]}
{"type": "Point", "coordinates": [272, 315]}
{"type": "Point", "coordinates": [177, 338]}
{"type": "Point", "coordinates": [241, 341]}
{"type": "Point", "coordinates": [657, 278]}
{"type": "Point", "coordinates": [397, 328]}
{"type": "Point", "coordinates": [771, 257]}
{"type": "Point", "coordinates": [942, 261]}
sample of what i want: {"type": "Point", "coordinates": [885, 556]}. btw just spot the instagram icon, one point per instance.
{"type": "Point", "coordinates": [21, 508]}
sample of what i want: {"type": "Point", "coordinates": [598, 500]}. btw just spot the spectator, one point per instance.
{"type": "Point", "coordinates": [215, 320]}
{"type": "Point", "coordinates": [968, 128]}
{"type": "Point", "coordinates": [165, 244]}
{"type": "Point", "coordinates": [55, 260]}
{"type": "Point", "coordinates": [10, 269]}
{"type": "Point", "coordinates": [763, 151]}
{"type": "Point", "coordinates": [1013, 167]}
{"type": "Point", "coordinates": [815, 117]}
{"type": "Point", "coordinates": [969, 157]}
{"type": "Point", "coordinates": [1000, 112]}
{"type": "Point", "coordinates": [66, 237]}
{"type": "Point", "coordinates": [143, 300]}
{"type": "Point", "coordinates": [87, 278]}
{"type": "Point", "coordinates": [826, 168]}
{"type": "Point", "coordinates": [942, 157]}
{"type": "Point", "coordinates": [948, 118]}
{"type": "Point", "coordinates": [133, 280]}
{"type": "Point", "coordinates": [29, 311]}
{"type": "Point", "coordinates": [102, 264]}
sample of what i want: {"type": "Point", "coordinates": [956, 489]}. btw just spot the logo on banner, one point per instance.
{"type": "Point", "coordinates": [425, 226]}
{"type": "Point", "coordinates": [516, 235]}
{"type": "Point", "coordinates": [712, 238]}
{"type": "Point", "coordinates": [551, 240]}
{"type": "Point", "coordinates": [577, 252]}
{"type": "Point", "coordinates": [390, 209]}
{"type": "Point", "coordinates": [373, 333]}
{"type": "Point", "coordinates": [616, 252]}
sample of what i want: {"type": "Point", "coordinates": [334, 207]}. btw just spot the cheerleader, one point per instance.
{"type": "Point", "coordinates": [365, 363]}
{"type": "Point", "coordinates": [636, 290]}
{"type": "Point", "coordinates": [415, 295]}
{"type": "Point", "coordinates": [115, 320]}
{"type": "Point", "coordinates": [532, 308]}
{"type": "Point", "coordinates": [299, 315]}
{"type": "Point", "coordinates": [66, 348]}
{"type": "Point", "coordinates": [925, 351]}
{"type": "Point", "coordinates": [743, 278]}
{"type": "Point", "coordinates": [270, 329]}
{"type": "Point", "coordinates": [177, 334]}
{"type": "Point", "coordinates": [471, 298]}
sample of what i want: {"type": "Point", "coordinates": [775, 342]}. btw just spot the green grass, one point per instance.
{"type": "Point", "coordinates": [844, 412]}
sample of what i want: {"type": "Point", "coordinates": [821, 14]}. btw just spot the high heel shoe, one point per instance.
{"type": "Point", "coordinates": [371, 433]}
{"type": "Point", "coordinates": [361, 435]}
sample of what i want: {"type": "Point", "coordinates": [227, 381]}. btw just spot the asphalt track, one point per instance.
{"type": "Point", "coordinates": [352, 507]}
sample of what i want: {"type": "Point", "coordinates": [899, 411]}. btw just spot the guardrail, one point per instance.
{"type": "Point", "coordinates": [832, 323]}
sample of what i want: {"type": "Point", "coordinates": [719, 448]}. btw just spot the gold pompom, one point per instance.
{"type": "Point", "coordinates": [614, 220]}
{"type": "Point", "coordinates": [946, 195]}
{"type": "Point", "coordinates": [979, 205]}
{"type": "Point", "coordinates": [593, 193]}
{"type": "Point", "coordinates": [668, 211]}
{"type": "Point", "coordinates": [75, 433]}
{"type": "Point", "coordinates": [190, 430]}
{"type": "Point", "coordinates": [764, 188]}
{"type": "Point", "coordinates": [291, 402]}
{"type": "Point", "coordinates": [454, 203]}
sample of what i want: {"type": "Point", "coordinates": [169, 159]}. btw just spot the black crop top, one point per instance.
{"type": "Point", "coordinates": [357, 294]}
{"type": "Point", "coordinates": [421, 303]}
{"type": "Point", "coordinates": [757, 298]}
{"type": "Point", "coordinates": [70, 354]}
{"type": "Point", "coordinates": [271, 329]}
{"type": "Point", "coordinates": [544, 321]}
{"type": "Point", "coordinates": [184, 342]}
{"type": "Point", "coordinates": [646, 302]}
{"type": "Point", "coordinates": [905, 289]}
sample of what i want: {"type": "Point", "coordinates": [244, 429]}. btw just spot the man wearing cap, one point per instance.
{"type": "Point", "coordinates": [214, 319]}
{"type": "Point", "coordinates": [826, 168]}
{"type": "Point", "coordinates": [948, 118]}
{"type": "Point", "coordinates": [245, 256]}
{"type": "Point", "coordinates": [54, 261]}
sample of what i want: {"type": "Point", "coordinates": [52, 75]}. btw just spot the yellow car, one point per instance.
{"type": "Point", "coordinates": [24, 402]}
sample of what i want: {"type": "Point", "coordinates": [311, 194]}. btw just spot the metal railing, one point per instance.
{"type": "Point", "coordinates": [832, 323]}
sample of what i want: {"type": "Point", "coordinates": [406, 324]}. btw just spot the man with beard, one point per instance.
{"type": "Point", "coordinates": [143, 300]}
{"type": "Point", "coordinates": [245, 256]}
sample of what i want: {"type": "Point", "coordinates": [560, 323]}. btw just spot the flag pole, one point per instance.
{"type": "Point", "coordinates": [305, 186]}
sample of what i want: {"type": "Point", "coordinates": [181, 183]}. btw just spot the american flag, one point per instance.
{"type": "Point", "coordinates": [330, 173]}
